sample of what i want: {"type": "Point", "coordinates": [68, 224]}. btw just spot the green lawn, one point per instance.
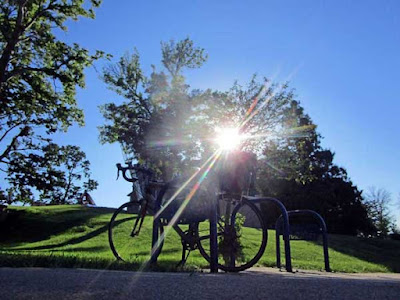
{"type": "Point", "coordinates": [76, 236]}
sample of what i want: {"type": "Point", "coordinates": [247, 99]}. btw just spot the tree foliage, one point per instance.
{"type": "Point", "coordinates": [170, 127]}
{"type": "Point", "coordinates": [156, 123]}
{"type": "Point", "coordinates": [59, 174]}
{"type": "Point", "coordinates": [39, 74]}
{"type": "Point", "coordinates": [298, 171]}
{"type": "Point", "coordinates": [165, 124]}
{"type": "Point", "coordinates": [377, 202]}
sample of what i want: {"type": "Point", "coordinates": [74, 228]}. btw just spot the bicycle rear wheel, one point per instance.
{"type": "Point", "coordinates": [242, 235]}
{"type": "Point", "coordinates": [130, 232]}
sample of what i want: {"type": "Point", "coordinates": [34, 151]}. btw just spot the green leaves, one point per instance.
{"type": "Point", "coordinates": [126, 76]}
{"type": "Point", "coordinates": [178, 55]}
{"type": "Point", "coordinates": [169, 127]}
{"type": "Point", "coordinates": [154, 124]}
{"type": "Point", "coordinates": [302, 174]}
{"type": "Point", "coordinates": [39, 74]}
{"type": "Point", "coordinates": [57, 173]}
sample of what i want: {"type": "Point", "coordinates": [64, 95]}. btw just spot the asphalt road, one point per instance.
{"type": "Point", "coordinates": [47, 284]}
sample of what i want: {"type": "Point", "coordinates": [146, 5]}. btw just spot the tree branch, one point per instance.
{"type": "Point", "coordinates": [9, 48]}
{"type": "Point", "coordinates": [8, 130]}
{"type": "Point", "coordinates": [38, 14]}
{"type": "Point", "coordinates": [15, 38]}
{"type": "Point", "coordinates": [47, 71]}
{"type": "Point", "coordinates": [23, 132]}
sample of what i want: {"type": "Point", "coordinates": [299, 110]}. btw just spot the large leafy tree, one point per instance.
{"type": "Point", "coordinates": [155, 123]}
{"type": "Point", "coordinates": [59, 174]}
{"type": "Point", "coordinates": [298, 171]}
{"type": "Point", "coordinates": [164, 123]}
{"type": "Point", "coordinates": [39, 74]}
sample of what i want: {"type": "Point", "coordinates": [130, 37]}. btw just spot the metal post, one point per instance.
{"type": "Point", "coordinates": [286, 240]}
{"type": "Point", "coordinates": [278, 247]}
{"type": "Point", "coordinates": [154, 241]}
{"type": "Point", "coordinates": [324, 241]}
{"type": "Point", "coordinates": [213, 241]}
{"type": "Point", "coordinates": [322, 224]}
{"type": "Point", "coordinates": [326, 255]}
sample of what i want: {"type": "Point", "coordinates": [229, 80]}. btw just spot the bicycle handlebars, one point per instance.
{"type": "Point", "coordinates": [136, 168]}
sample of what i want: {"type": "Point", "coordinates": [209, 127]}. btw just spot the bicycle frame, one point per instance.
{"type": "Point", "coordinates": [151, 196]}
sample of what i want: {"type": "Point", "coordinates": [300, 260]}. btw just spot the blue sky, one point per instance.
{"type": "Point", "coordinates": [342, 57]}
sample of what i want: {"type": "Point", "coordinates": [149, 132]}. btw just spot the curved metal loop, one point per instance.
{"type": "Point", "coordinates": [286, 227]}
{"type": "Point", "coordinates": [322, 224]}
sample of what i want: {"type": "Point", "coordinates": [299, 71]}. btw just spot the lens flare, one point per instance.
{"type": "Point", "coordinates": [211, 162]}
{"type": "Point", "coordinates": [228, 138]}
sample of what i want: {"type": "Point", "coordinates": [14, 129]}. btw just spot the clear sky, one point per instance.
{"type": "Point", "coordinates": [342, 57]}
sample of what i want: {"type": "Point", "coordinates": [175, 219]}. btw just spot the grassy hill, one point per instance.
{"type": "Point", "coordinates": [76, 236]}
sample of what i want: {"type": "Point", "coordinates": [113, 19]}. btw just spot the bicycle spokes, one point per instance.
{"type": "Point", "coordinates": [242, 236]}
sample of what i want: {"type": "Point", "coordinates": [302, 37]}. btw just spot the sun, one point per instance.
{"type": "Point", "coordinates": [228, 138]}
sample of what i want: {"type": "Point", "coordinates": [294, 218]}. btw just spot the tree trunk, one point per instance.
{"type": "Point", "coordinates": [9, 48]}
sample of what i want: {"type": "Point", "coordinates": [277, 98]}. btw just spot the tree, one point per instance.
{"type": "Point", "coordinates": [155, 124]}
{"type": "Point", "coordinates": [58, 174]}
{"type": "Point", "coordinates": [298, 171]}
{"type": "Point", "coordinates": [170, 127]}
{"type": "Point", "coordinates": [377, 203]}
{"type": "Point", "coordinates": [39, 74]}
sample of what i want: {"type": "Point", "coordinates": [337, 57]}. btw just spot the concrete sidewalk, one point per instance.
{"type": "Point", "coordinates": [256, 283]}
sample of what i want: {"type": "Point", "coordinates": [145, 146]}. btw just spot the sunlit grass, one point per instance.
{"type": "Point", "coordinates": [75, 236]}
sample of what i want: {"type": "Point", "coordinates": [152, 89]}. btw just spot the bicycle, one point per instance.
{"type": "Point", "coordinates": [241, 230]}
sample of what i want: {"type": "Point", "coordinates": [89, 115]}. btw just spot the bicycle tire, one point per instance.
{"type": "Point", "coordinates": [124, 246]}
{"type": "Point", "coordinates": [245, 251]}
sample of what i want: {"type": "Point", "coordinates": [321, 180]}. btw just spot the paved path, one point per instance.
{"type": "Point", "coordinates": [258, 283]}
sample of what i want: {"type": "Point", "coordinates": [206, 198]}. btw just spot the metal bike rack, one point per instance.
{"type": "Point", "coordinates": [286, 226]}
{"type": "Point", "coordinates": [322, 230]}
{"type": "Point", "coordinates": [213, 241]}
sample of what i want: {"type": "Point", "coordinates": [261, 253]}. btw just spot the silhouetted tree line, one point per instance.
{"type": "Point", "coordinates": [302, 174]}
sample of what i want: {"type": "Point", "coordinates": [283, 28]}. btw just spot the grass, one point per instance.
{"type": "Point", "coordinates": [76, 236]}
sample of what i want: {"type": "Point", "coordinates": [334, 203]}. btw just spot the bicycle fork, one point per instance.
{"type": "Point", "coordinates": [139, 220]}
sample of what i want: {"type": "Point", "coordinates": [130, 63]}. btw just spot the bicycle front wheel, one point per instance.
{"type": "Point", "coordinates": [130, 233]}
{"type": "Point", "coordinates": [242, 235]}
